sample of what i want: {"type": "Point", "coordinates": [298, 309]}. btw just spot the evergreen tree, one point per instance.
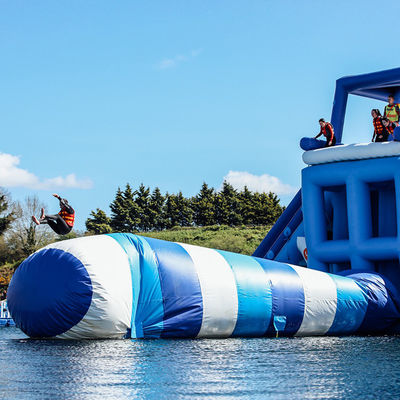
{"type": "Point", "coordinates": [98, 222]}
{"type": "Point", "coordinates": [125, 214]}
{"type": "Point", "coordinates": [171, 211]}
{"type": "Point", "coordinates": [247, 207]}
{"type": "Point", "coordinates": [156, 210]}
{"type": "Point", "coordinates": [5, 217]}
{"type": "Point", "coordinates": [133, 211]}
{"type": "Point", "coordinates": [203, 205]}
{"type": "Point", "coordinates": [276, 208]}
{"type": "Point", "coordinates": [142, 201]}
{"type": "Point", "coordinates": [227, 206]}
{"type": "Point", "coordinates": [119, 213]}
{"type": "Point", "coordinates": [185, 212]}
{"type": "Point", "coordinates": [268, 208]}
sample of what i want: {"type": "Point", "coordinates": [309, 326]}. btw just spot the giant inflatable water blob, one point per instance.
{"type": "Point", "coordinates": [123, 285]}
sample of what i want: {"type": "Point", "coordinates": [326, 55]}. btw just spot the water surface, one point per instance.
{"type": "Point", "coordinates": [299, 368]}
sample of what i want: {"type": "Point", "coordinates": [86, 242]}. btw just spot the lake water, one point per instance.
{"type": "Point", "coordinates": [299, 368]}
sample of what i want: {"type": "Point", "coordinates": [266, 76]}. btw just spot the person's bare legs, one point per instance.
{"type": "Point", "coordinates": [35, 220]}
{"type": "Point", "coordinates": [42, 215]}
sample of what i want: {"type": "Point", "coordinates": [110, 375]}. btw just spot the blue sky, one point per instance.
{"type": "Point", "coordinates": [95, 94]}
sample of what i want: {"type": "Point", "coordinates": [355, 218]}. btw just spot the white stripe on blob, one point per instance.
{"type": "Point", "coordinates": [109, 314]}
{"type": "Point", "coordinates": [320, 301]}
{"type": "Point", "coordinates": [218, 289]}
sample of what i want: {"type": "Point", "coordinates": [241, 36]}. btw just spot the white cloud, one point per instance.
{"type": "Point", "coordinates": [258, 183]}
{"type": "Point", "coordinates": [174, 61]}
{"type": "Point", "coordinates": [11, 175]}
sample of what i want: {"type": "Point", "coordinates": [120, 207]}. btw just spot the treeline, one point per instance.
{"type": "Point", "coordinates": [144, 210]}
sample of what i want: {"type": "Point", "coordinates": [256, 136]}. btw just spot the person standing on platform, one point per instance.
{"type": "Point", "coordinates": [392, 110]}
{"type": "Point", "coordinates": [328, 132]}
{"type": "Point", "coordinates": [380, 132]}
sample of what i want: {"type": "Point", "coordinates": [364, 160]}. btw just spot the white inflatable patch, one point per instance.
{"type": "Point", "coordinates": [109, 315]}
{"type": "Point", "coordinates": [350, 152]}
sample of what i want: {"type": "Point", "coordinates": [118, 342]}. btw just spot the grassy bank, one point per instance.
{"type": "Point", "coordinates": [242, 239]}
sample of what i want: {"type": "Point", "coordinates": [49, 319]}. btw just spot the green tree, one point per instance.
{"type": "Point", "coordinates": [203, 205]}
{"type": "Point", "coordinates": [133, 211]}
{"type": "Point", "coordinates": [248, 210]}
{"type": "Point", "coordinates": [98, 222]}
{"type": "Point", "coordinates": [227, 206]}
{"type": "Point", "coordinates": [6, 215]}
{"type": "Point", "coordinates": [184, 210]}
{"type": "Point", "coordinates": [171, 211]}
{"type": "Point", "coordinates": [125, 214]}
{"type": "Point", "coordinates": [268, 208]}
{"type": "Point", "coordinates": [142, 201]}
{"type": "Point", "coordinates": [156, 210]}
{"type": "Point", "coordinates": [118, 212]}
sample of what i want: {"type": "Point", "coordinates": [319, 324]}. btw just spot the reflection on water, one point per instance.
{"type": "Point", "coordinates": [301, 368]}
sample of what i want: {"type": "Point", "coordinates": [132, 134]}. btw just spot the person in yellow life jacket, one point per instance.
{"type": "Point", "coordinates": [392, 110]}
{"type": "Point", "coordinates": [61, 223]}
{"type": "Point", "coordinates": [327, 131]}
{"type": "Point", "coordinates": [380, 132]}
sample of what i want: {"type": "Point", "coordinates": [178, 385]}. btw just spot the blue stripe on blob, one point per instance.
{"type": "Point", "coordinates": [351, 306]}
{"type": "Point", "coordinates": [129, 244]}
{"type": "Point", "coordinates": [49, 293]}
{"type": "Point", "coordinates": [382, 311]}
{"type": "Point", "coordinates": [149, 315]}
{"type": "Point", "coordinates": [254, 295]}
{"type": "Point", "coordinates": [183, 302]}
{"type": "Point", "coordinates": [287, 295]}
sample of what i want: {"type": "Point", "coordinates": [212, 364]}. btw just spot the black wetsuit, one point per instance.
{"type": "Point", "coordinates": [56, 222]}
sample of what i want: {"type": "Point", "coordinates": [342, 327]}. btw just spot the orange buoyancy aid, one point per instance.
{"type": "Point", "coordinates": [67, 217]}
{"type": "Point", "coordinates": [378, 126]}
{"type": "Point", "coordinates": [390, 128]}
{"type": "Point", "coordinates": [327, 130]}
{"type": "Point", "coordinates": [391, 112]}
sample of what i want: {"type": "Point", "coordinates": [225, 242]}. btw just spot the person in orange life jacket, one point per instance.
{"type": "Point", "coordinates": [327, 131]}
{"type": "Point", "coordinates": [380, 132]}
{"type": "Point", "coordinates": [392, 110]}
{"type": "Point", "coordinates": [389, 125]}
{"type": "Point", "coordinates": [61, 223]}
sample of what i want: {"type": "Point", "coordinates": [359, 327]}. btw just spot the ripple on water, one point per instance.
{"type": "Point", "coordinates": [299, 368]}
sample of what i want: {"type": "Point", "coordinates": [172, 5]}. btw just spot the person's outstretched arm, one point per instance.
{"type": "Point", "coordinates": [319, 134]}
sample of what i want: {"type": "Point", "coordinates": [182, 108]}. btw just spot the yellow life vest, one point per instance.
{"type": "Point", "coordinates": [391, 113]}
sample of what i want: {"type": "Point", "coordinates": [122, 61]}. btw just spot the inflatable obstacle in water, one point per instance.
{"type": "Point", "coordinates": [329, 266]}
{"type": "Point", "coordinates": [119, 285]}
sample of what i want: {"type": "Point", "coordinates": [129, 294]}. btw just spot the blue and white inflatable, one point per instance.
{"type": "Point", "coordinates": [123, 285]}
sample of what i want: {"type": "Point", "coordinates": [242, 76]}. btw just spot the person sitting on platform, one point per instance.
{"type": "Point", "coordinates": [328, 132]}
{"type": "Point", "coordinates": [380, 132]}
{"type": "Point", "coordinates": [392, 110]}
{"type": "Point", "coordinates": [61, 223]}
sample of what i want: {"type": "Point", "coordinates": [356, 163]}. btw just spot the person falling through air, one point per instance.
{"type": "Point", "coordinates": [61, 223]}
